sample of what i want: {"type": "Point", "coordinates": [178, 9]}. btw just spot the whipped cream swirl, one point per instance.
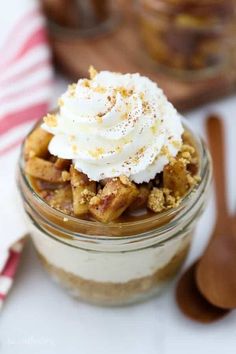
{"type": "Point", "coordinates": [113, 125]}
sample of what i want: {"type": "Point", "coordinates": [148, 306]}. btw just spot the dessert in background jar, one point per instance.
{"type": "Point", "coordinates": [79, 16]}
{"type": "Point", "coordinates": [187, 37]}
{"type": "Point", "coordinates": [113, 183]}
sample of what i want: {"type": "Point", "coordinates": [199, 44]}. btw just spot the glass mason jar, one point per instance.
{"type": "Point", "coordinates": [115, 263]}
{"type": "Point", "coordinates": [80, 17]}
{"type": "Point", "coordinates": [188, 38]}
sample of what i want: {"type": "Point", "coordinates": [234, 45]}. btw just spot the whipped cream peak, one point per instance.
{"type": "Point", "coordinates": [115, 124]}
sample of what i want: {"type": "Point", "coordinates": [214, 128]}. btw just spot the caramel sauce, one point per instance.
{"type": "Point", "coordinates": [45, 190]}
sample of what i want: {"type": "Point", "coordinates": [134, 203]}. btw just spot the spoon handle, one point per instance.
{"type": "Point", "coordinates": [215, 133]}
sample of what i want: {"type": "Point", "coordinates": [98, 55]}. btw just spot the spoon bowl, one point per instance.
{"type": "Point", "coordinates": [216, 271]}
{"type": "Point", "coordinates": [192, 303]}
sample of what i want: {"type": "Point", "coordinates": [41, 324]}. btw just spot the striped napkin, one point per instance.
{"type": "Point", "coordinates": [25, 90]}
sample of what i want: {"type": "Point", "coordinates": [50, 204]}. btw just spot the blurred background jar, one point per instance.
{"type": "Point", "coordinates": [189, 38]}
{"type": "Point", "coordinates": [80, 17]}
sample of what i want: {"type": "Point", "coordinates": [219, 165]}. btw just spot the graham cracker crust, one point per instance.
{"type": "Point", "coordinates": [108, 293]}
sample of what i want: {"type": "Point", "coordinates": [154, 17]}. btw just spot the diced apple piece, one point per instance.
{"type": "Point", "coordinates": [62, 164]}
{"type": "Point", "coordinates": [175, 178]}
{"type": "Point", "coordinates": [141, 200]}
{"type": "Point", "coordinates": [45, 170]}
{"type": "Point", "coordinates": [61, 199]}
{"type": "Point", "coordinates": [36, 144]}
{"type": "Point", "coordinates": [113, 199]}
{"type": "Point", "coordinates": [83, 190]}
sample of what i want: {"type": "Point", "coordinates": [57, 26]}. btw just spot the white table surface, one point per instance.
{"type": "Point", "coordinates": [39, 317]}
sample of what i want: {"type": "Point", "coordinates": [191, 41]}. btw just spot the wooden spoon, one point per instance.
{"type": "Point", "coordinates": [191, 301]}
{"type": "Point", "coordinates": [216, 270]}
{"type": "Point", "coordinates": [188, 297]}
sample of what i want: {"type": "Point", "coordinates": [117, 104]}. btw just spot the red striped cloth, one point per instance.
{"type": "Point", "coordinates": [25, 91]}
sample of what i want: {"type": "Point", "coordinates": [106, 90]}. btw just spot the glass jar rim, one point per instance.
{"type": "Point", "coordinates": [174, 214]}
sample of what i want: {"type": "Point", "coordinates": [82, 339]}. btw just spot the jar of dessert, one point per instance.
{"type": "Point", "coordinates": [113, 184]}
{"type": "Point", "coordinates": [80, 17]}
{"type": "Point", "coordinates": [189, 38]}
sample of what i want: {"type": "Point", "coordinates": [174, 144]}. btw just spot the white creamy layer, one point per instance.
{"type": "Point", "coordinates": [106, 267]}
{"type": "Point", "coordinates": [113, 125]}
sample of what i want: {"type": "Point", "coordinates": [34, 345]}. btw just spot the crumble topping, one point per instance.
{"type": "Point", "coordinates": [74, 147]}
{"type": "Point", "coordinates": [94, 201]}
{"type": "Point", "coordinates": [92, 72]}
{"type": "Point", "coordinates": [125, 180]}
{"type": "Point", "coordinates": [96, 153]}
{"type": "Point", "coordinates": [65, 176]}
{"type": "Point", "coordinates": [86, 196]}
{"type": "Point", "coordinates": [60, 102]}
{"type": "Point", "coordinates": [72, 89]}
{"type": "Point", "coordinates": [51, 120]}
{"type": "Point", "coordinates": [160, 199]}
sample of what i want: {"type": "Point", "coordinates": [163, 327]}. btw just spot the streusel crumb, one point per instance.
{"type": "Point", "coordinates": [125, 180]}
{"type": "Point", "coordinates": [92, 72]}
{"type": "Point", "coordinates": [50, 120]}
{"type": "Point", "coordinates": [86, 196]}
{"type": "Point", "coordinates": [156, 200]}
{"type": "Point", "coordinates": [160, 199]}
{"type": "Point", "coordinates": [94, 200]}
{"type": "Point", "coordinates": [65, 176]}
